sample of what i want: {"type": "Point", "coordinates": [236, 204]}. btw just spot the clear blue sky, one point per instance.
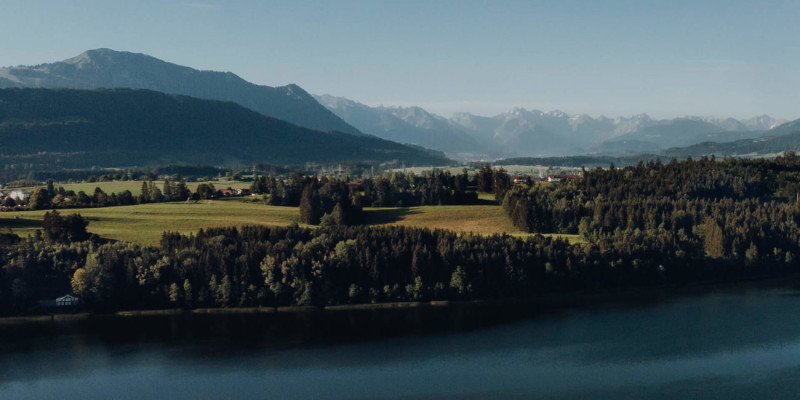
{"type": "Point", "coordinates": [665, 58]}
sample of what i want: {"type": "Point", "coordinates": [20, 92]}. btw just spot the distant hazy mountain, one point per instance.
{"type": "Point", "coordinates": [779, 139]}
{"type": "Point", "coordinates": [785, 128]}
{"type": "Point", "coordinates": [406, 125]}
{"type": "Point", "coordinates": [538, 133]}
{"type": "Point", "coordinates": [105, 68]}
{"type": "Point", "coordinates": [534, 133]}
{"type": "Point", "coordinates": [762, 123]}
{"type": "Point", "coordinates": [663, 134]}
{"type": "Point", "coordinates": [480, 127]}
{"type": "Point", "coordinates": [782, 138]}
{"type": "Point", "coordinates": [124, 127]}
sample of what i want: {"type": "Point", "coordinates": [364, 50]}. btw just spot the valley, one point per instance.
{"type": "Point", "coordinates": [399, 200]}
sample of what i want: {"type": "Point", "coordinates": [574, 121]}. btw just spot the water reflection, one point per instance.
{"type": "Point", "coordinates": [716, 345]}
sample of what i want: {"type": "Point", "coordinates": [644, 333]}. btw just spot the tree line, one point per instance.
{"type": "Point", "coordinates": [643, 225]}
{"type": "Point", "coordinates": [737, 211]}
{"type": "Point", "coordinates": [50, 197]}
{"type": "Point", "coordinates": [393, 189]}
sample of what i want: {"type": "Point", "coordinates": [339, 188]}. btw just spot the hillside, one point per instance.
{"type": "Point", "coordinates": [123, 127]}
{"type": "Point", "coordinates": [106, 68]}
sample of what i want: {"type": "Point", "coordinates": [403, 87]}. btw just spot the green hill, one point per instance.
{"type": "Point", "coordinates": [124, 127]}
{"type": "Point", "coordinates": [106, 68]}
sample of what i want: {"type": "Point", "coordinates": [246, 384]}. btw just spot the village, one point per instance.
{"type": "Point", "coordinates": [529, 180]}
{"type": "Point", "coordinates": [14, 200]}
{"type": "Point", "coordinates": [20, 199]}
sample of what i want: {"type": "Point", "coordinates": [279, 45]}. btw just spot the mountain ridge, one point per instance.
{"type": "Point", "coordinates": [405, 125]}
{"type": "Point", "coordinates": [137, 127]}
{"type": "Point", "coordinates": [543, 133]}
{"type": "Point", "coordinates": [780, 139]}
{"type": "Point", "coordinates": [107, 68]}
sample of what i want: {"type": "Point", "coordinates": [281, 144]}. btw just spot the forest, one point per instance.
{"type": "Point", "coordinates": [737, 210]}
{"type": "Point", "coordinates": [651, 224]}
{"type": "Point", "coordinates": [318, 195]}
{"type": "Point", "coordinates": [394, 189]}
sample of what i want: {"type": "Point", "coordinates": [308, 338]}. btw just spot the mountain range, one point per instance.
{"type": "Point", "coordinates": [402, 124]}
{"type": "Point", "coordinates": [518, 132]}
{"type": "Point", "coordinates": [539, 133]}
{"type": "Point", "coordinates": [774, 141]}
{"type": "Point", "coordinates": [134, 127]}
{"type": "Point", "coordinates": [783, 138]}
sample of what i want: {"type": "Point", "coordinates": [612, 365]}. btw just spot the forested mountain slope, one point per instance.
{"type": "Point", "coordinates": [123, 127]}
{"type": "Point", "coordinates": [106, 68]}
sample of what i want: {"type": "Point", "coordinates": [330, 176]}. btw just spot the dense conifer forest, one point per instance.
{"type": "Point", "coordinates": [644, 225]}
{"type": "Point", "coordinates": [394, 189]}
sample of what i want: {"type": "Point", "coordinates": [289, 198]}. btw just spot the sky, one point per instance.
{"type": "Point", "coordinates": [614, 58]}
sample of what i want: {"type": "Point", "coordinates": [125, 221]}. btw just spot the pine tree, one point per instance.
{"type": "Point", "coordinates": [144, 197]}
{"type": "Point", "coordinates": [167, 192]}
{"type": "Point", "coordinates": [309, 206]}
{"type": "Point", "coordinates": [501, 182]}
{"type": "Point", "coordinates": [713, 242]}
{"type": "Point", "coordinates": [51, 191]}
{"type": "Point", "coordinates": [485, 178]}
{"type": "Point", "coordinates": [181, 192]}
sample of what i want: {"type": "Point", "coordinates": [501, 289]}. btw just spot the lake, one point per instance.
{"type": "Point", "coordinates": [738, 342]}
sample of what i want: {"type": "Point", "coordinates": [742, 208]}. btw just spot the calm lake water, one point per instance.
{"type": "Point", "coordinates": [733, 343]}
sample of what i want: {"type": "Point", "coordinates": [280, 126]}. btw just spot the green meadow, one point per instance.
{"type": "Point", "coordinates": [481, 219]}
{"type": "Point", "coordinates": [145, 223]}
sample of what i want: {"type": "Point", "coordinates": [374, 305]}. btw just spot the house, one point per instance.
{"type": "Point", "coordinates": [226, 192]}
{"type": "Point", "coordinates": [562, 177]}
{"type": "Point", "coordinates": [19, 195]}
{"type": "Point", "coordinates": [523, 179]}
{"type": "Point", "coordinates": [67, 301]}
{"type": "Point", "coordinates": [243, 192]}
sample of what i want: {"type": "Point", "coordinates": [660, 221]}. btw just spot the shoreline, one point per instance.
{"type": "Point", "coordinates": [554, 301]}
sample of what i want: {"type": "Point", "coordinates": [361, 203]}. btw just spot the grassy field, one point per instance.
{"type": "Point", "coordinates": [136, 186]}
{"type": "Point", "coordinates": [475, 219]}
{"type": "Point", "coordinates": [145, 223]}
